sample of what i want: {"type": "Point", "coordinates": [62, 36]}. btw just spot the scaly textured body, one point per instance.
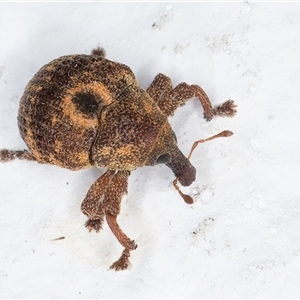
{"type": "Point", "coordinates": [80, 111]}
{"type": "Point", "coordinates": [64, 100]}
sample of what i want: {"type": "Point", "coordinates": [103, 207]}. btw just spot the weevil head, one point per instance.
{"type": "Point", "coordinates": [134, 132]}
{"type": "Point", "coordinates": [165, 151]}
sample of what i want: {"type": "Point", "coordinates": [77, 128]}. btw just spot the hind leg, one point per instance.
{"type": "Point", "coordinates": [7, 155]}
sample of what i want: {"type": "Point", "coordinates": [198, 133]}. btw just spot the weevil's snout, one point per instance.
{"type": "Point", "coordinates": [165, 151]}
{"type": "Point", "coordinates": [187, 176]}
{"type": "Point", "coordinates": [182, 168]}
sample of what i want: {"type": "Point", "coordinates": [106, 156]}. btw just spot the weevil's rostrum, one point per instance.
{"type": "Point", "coordinates": [80, 111]}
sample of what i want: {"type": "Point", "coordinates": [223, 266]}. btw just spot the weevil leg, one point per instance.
{"type": "Point", "coordinates": [160, 85]}
{"type": "Point", "coordinates": [112, 206]}
{"type": "Point", "coordinates": [104, 200]}
{"type": "Point", "coordinates": [123, 262]}
{"type": "Point", "coordinates": [7, 155]}
{"type": "Point", "coordinates": [92, 205]}
{"type": "Point", "coordinates": [226, 109]}
{"type": "Point", "coordinates": [169, 99]}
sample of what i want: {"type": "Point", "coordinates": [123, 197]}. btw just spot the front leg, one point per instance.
{"type": "Point", "coordinates": [169, 99]}
{"type": "Point", "coordinates": [103, 200]}
{"type": "Point", "coordinates": [92, 205]}
{"type": "Point", "coordinates": [112, 206]}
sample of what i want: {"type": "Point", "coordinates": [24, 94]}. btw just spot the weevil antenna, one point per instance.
{"type": "Point", "coordinates": [226, 133]}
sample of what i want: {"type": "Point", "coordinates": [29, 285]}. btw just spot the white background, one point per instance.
{"type": "Point", "coordinates": [241, 236]}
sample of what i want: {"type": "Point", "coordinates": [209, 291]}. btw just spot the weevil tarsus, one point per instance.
{"type": "Point", "coordinates": [8, 155]}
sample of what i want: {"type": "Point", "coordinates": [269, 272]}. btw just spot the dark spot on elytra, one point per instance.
{"type": "Point", "coordinates": [87, 103]}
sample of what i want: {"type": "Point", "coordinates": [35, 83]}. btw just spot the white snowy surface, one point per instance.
{"type": "Point", "coordinates": [241, 236]}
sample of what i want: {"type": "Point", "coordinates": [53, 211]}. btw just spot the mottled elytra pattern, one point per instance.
{"type": "Point", "coordinates": [80, 111]}
{"type": "Point", "coordinates": [59, 111]}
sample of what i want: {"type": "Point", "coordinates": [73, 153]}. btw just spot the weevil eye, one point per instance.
{"type": "Point", "coordinates": [163, 159]}
{"type": "Point", "coordinates": [174, 135]}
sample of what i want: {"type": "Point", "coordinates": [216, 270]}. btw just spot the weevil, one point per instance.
{"type": "Point", "coordinates": [82, 111]}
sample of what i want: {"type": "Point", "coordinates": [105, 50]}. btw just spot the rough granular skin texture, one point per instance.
{"type": "Point", "coordinates": [128, 133]}
{"type": "Point", "coordinates": [92, 204]}
{"type": "Point", "coordinates": [60, 109]}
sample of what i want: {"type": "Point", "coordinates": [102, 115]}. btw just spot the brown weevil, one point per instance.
{"type": "Point", "coordinates": [80, 111]}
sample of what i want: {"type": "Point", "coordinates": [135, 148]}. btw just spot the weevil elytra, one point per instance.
{"type": "Point", "coordinates": [80, 111]}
